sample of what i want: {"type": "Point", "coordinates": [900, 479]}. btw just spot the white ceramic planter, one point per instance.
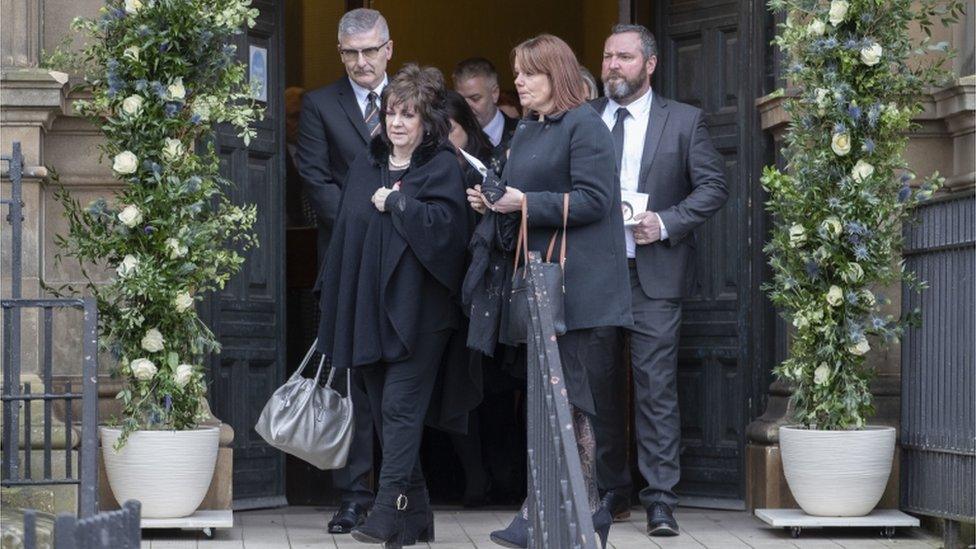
{"type": "Point", "coordinates": [837, 473]}
{"type": "Point", "coordinates": [168, 471]}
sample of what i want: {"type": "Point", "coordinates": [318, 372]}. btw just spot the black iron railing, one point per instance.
{"type": "Point", "coordinates": [559, 512]}
{"type": "Point", "coordinates": [17, 399]}
{"type": "Point", "coordinates": [110, 530]}
{"type": "Point", "coordinates": [938, 422]}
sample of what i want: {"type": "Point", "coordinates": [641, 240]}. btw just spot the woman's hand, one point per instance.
{"type": "Point", "coordinates": [477, 200]}
{"type": "Point", "coordinates": [379, 198]}
{"type": "Point", "coordinates": [510, 202]}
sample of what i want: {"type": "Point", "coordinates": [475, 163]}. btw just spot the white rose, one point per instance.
{"type": "Point", "coordinates": [152, 341]}
{"type": "Point", "coordinates": [800, 321]}
{"type": "Point", "coordinates": [861, 171]}
{"type": "Point", "coordinates": [130, 216]}
{"type": "Point", "coordinates": [868, 297]}
{"type": "Point", "coordinates": [125, 163]}
{"type": "Point", "coordinates": [860, 348]}
{"type": "Point", "coordinates": [871, 55]}
{"type": "Point", "coordinates": [133, 6]}
{"type": "Point", "coordinates": [797, 234]}
{"type": "Point", "coordinates": [838, 12]}
{"type": "Point", "coordinates": [173, 149]}
{"type": "Point", "coordinates": [853, 273]}
{"type": "Point", "coordinates": [832, 225]}
{"type": "Point", "coordinates": [132, 52]}
{"type": "Point", "coordinates": [183, 302]}
{"type": "Point", "coordinates": [129, 265]}
{"type": "Point", "coordinates": [176, 248]}
{"type": "Point", "coordinates": [841, 144]}
{"type": "Point", "coordinates": [176, 89]}
{"type": "Point", "coordinates": [132, 105]}
{"type": "Point", "coordinates": [183, 375]}
{"type": "Point", "coordinates": [817, 27]}
{"type": "Point", "coordinates": [201, 107]}
{"type": "Point", "coordinates": [822, 95]}
{"type": "Point", "coordinates": [822, 374]}
{"type": "Point", "coordinates": [835, 296]}
{"type": "Point", "coordinates": [143, 369]}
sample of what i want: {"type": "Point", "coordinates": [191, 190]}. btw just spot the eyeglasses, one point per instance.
{"type": "Point", "coordinates": [349, 54]}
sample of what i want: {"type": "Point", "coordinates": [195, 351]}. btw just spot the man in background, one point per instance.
{"type": "Point", "coordinates": [477, 81]}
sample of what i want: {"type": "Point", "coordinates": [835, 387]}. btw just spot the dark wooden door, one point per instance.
{"type": "Point", "coordinates": [707, 53]}
{"type": "Point", "coordinates": [248, 316]}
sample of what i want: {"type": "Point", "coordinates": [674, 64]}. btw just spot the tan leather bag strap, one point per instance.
{"type": "Point", "coordinates": [523, 237]}
{"type": "Point", "coordinates": [552, 241]}
{"type": "Point", "coordinates": [522, 246]}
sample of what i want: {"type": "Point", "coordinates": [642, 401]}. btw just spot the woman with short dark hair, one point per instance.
{"type": "Point", "coordinates": [563, 148]}
{"type": "Point", "coordinates": [388, 285]}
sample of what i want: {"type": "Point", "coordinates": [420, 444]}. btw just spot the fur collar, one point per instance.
{"type": "Point", "coordinates": [379, 152]}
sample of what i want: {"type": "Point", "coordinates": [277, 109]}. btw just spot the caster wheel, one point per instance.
{"type": "Point", "coordinates": [208, 532]}
{"type": "Point", "coordinates": [795, 532]}
{"type": "Point", "coordinates": [888, 532]}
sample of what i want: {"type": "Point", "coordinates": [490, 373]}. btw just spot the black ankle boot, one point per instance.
{"type": "Point", "coordinates": [516, 535]}
{"type": "Point", "coordinates": [385, 522]}
{"type": "Point", "coordinates": [419, 522]}
{"type": "Point", "coordinates": [602, 520]}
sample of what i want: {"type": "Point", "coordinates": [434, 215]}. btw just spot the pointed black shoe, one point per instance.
{"type": "Point", "coordinates": [516, 535]}
{"type": "Point", "coordinates": [602, 520]}
{"type": "Point", "coordinates": [617, 504]}
{"type": "Point", "coordinates": [348, 516]}
{"type": "Point", "coordinates": [385, 522]}
{"type": "Point", "coordinates": [660, 520]}
{"type": "Point", "coordinates": [419, 522]}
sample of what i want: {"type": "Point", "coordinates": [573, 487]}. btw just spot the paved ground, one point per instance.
{"type": "Point", "coordinates": [304, 527]}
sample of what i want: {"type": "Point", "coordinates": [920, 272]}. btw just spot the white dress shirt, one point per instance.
{"type": "Point", "coordinates": [635, 130]}
{"type": "Point", "coordinates": [362, 94]}
{"type": "Point", "coordinates": [495, 128]}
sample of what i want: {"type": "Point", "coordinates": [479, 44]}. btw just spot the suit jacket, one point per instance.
{"type": "Point", "coordinates": [685, 178]}
{"type": "Point", "coordinates": [499, 153]}
{"type": "Point", "coordinates": [332, 133]}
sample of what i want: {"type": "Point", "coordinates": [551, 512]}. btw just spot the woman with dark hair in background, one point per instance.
{"type": "Point", "coordinates": [389, 285]}
{"type": "Point", "coordinates": [562, 148]}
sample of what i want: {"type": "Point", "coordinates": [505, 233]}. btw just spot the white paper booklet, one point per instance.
{"type": "Point", "coordinates": [632, 203]}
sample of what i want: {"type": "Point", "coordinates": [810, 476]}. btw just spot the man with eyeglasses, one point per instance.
{"type": "Point", "coordinates": [337, 122]}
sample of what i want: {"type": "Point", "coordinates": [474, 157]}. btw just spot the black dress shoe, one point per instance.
{"type": "Point", "coordinates": [617, 505]}
{"type": "Point", "coordinates": [660, 520]}
{"type": "Point", "coordinates": [348, 516]}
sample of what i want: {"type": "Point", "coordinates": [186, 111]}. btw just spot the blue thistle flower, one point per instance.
{"type": "Point", "coordinates": [852, 44]}
{"type": "Point", "coordinates": [868, 145]}
{"type": "Point", "coordinates": [854, 112]}
{"type": "Point", "coordinates": [158, 88]}
{"type": "Point", "coordinates": [830, 43]}
{"type": "Point", "coordinates": [141, 84]}
{"type": "Point", "coordinates": [905, 178]}
{"type": "Point", "coordinates": [163, 47]}
{"type": "Point", "coordinates": [143, 31]}
{"type": "Point", "coordinates": [172, 109]}
{"type": "Point", "coordinates": [195, 119]}
{"type": "Point", "coordinates": [156, 168]}
{"type": "Point", "coordinates": [851, 298]}
{"type": "Point", "coordinates": [813, 270]}
{"type": "Point", "coordinates": [118, 13]}
{"type": "Point", "coordinates": [839, 128]}
{"type": "Point", "coordinates": [874, 113]}
{"type": "Point", "coordinates": [860, 252]}
{"type": "Point", "coordinates": [149, 229]}
{"type": "Point", "coordinates": [168, 403]}
{"type": "Point", "coordinates": [833, 203]}
{"type": "Point", "coordinates": [904, 193]}
{"type": "Point", "coordinates": [878, 323]}
{"type": "Point", "coordinates": [867, 18]}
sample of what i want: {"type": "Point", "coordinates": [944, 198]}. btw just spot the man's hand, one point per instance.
{"type": "Point", "coordinates": [379, 198]}
{"type": "Point", "coordinates": [648, 230]}
{"type": "Point", "coordinates": [510, 202]}
{"type": "Point", "coordinates": [477, 200]}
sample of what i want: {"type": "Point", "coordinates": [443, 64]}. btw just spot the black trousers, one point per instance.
{"type": "Point", "coordinates": [353, 480]}
{"type": "Point", "coordinates": [399, 394]}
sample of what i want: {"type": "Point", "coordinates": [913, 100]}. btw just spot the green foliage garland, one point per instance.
{"type": "Point", "coordinates": [162, 73]}
{"type": "Point", "coordinates": [840, 203]}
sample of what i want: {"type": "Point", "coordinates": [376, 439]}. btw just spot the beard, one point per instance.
{"type": "Point", "coordinates": [618, 88]}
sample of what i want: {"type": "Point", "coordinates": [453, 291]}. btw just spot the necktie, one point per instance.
{"type": "Point", "coordinates": [618, 134]}
{"type": "Point", "coordinates": [372, 115]}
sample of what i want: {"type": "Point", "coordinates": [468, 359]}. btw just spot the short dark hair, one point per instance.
{"type": "Point", "coordinates": [423, 89]}
{"type": "Point", "coordinates": [475, 66]}
{"type": "Point", "coordinates": [648, 43]}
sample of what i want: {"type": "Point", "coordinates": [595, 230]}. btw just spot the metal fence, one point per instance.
{"type": "Point", "coordinates": [559, 513]}
{"type": "Point", "coordinates": [110, 530]}
{"type": "Point", "coordinates": [17, 399]}
{"type": "Point", "coordinates": [938, 423]}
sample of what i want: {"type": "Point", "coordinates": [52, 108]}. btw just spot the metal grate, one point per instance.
{"type": "Point", "coordinates": [559, 513]}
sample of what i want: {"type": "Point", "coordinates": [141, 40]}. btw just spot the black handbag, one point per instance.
{"type": "Point", "coordinates": [519, 321]}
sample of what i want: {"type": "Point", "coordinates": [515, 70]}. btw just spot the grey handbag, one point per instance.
{"type": "Point", "coordinates": [308, 421]}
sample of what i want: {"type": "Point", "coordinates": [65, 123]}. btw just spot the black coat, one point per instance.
{"type": "Point", "coordinates": [332, 133]}
{"type": "Point", "coordinates": [390, 276]}
{"type": "Point", "coordinates": [573, 153]}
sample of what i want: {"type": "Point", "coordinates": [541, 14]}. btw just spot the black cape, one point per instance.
{"type": "Point", "coordinates": [380, 263]}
